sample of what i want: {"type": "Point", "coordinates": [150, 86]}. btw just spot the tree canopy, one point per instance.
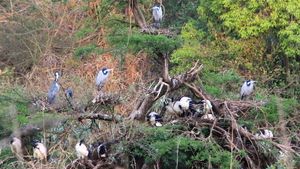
{"type": "Point", "coordinates": [204, 50]}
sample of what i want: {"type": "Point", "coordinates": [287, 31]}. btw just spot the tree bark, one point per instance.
{"type": "Point", "coordinates": [137, 13]}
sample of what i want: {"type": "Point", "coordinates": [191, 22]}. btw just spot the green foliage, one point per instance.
{"type": "Point", "coordinates": [178, 13]}
{"type": "Point", "coordinates": [160, 144]}
{"type": "Point", "coordinates": [151, 44]}
{"type": "Point", "coordinates": [87, 49]}
{"type": "Point", "coordinates": [87, 29]}
{"type": "Point", "coordinates": [288, 107]}
{"type": "Point", "coordinates": [223, 85]}
{"type": "Point", "coordinates": [256, 20]}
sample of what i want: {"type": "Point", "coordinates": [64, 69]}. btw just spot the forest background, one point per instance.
{"type": "Point", "coordinates": [235, 40]}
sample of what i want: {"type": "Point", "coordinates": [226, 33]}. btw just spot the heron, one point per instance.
{"type": "Point", "coordinates": [101, 77]}
{"type": "Point", "coordinates": [53, 92]}
{"type": "Point", "coordinates": [16, 147]}
{"type": "Point", "coordinates": [154, 119]}
{"type": "Point", "coordinates": [157, 16]}
{"type": "Point", "coordinates": [69, 94]}
{"type": "Point", "coordinates": [247, 88]}
{"type": "Point", "coordinates": [39, 150]}
{"type": "Point", "coordinates": [82, 150]}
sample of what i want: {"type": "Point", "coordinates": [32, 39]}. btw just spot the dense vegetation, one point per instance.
{"type": "Point", "coordinates": [234, 40]}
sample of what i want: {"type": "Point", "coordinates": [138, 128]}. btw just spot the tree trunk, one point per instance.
{"type": "Point", "coordinates": [137, 13]}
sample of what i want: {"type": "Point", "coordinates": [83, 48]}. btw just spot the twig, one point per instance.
{"type": "Point", "coordinates": [62, 139]}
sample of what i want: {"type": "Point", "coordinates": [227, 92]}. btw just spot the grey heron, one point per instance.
{"type": "Point", "coordinates": [101, 77]}
{"type": "Point", "coordinates": [54, 89]}
{"type": "Point", "coordinates": [69, 94]}
{"type": "Point", "coordinates": [157, 16]}
{"type": "Point", "coordinates": [247, 89]}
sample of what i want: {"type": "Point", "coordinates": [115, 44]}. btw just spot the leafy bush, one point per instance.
{"type": "Point", "coordinates": [151, 44]}
{"type": "Point", "coordinates": [288, 107]}
{"type": "Point", "coordinates": [87, 49]}
{"type": "Point", "coordinates": [222, 85]}
{"type": "Point", "coordinates": [173, 149]}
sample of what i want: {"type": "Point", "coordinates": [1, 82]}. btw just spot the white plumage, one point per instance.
{"type": "Point", "coordinates": [101, 77]}
{"type": "Point", "coordinates": [264, 133]}
{"type": "Point", "coordinates": [40, 151]}
{"type": "Point", "coordinates": [207, 106]}
{"type": "Point", "coordinates": [155, 119]}
{"type": "Point", "coordinates": [247, 88]}
{"type": "Point", "coordinates": [185, 103]}
{"type": "Point", "coordinates": [81, 149]}
{"type": "Point", "coordinates": [180, 108]}
{"type": "Point", "coordinates": [208, 117]}
{"type": "Point", "coordinates": [157, 16]}
{"type": "Point", "coordinates": [174, 108]}
{"type": "Point", "coordinates": [16, 147]}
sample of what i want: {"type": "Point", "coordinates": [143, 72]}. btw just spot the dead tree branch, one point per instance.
{"type": "Point", "coordinates": [98, 116]}
{"type": "Point", "coordinates": [165, 85]}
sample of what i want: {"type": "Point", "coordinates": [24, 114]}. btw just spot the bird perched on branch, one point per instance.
{"type": "Point", "coordinates": [204, 107]}
{"type": "Point", "coordinates": [247, 88]}
{"type": "Point", "coordinates": [54, 89]}
{"type": "Point", "coordinates": [69, 94]}
{"type": "Point", "coordinates": [182, 107]}
{"type": "Point", "coordinates": [185, 104]}
{"type": "Point", "coordinates": [155, 119]}
{"type": "Point", "coordinates": [82, 150]}
{"type": "Point", "coordinates": [39, 150]}
{"type": "Point", "coordinates": [101, 77]}
{"type": "Point", "coordinates": [157, 16]}
{"type": "Point", "coordinates": [16, 147]}
{"type": "Point", "coordinates": [264, 133]}
{"type": "Point", "coordinates": [101, 150]}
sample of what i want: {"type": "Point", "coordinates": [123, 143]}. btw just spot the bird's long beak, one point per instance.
{"type": "Point", "coordinates": [254, 81]}
{"type": "Point", "coordinates": [110, 69]}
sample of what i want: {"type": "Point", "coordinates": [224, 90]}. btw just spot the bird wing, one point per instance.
{"type": "Point", "coordinates": [42, 149]}
{"type": "Point", "coordinates": [101, 78]}
{"type": "Point", "coordinates": [157, 14]}
{"type": "Point", "coordinates": [160, 13]}
{"type": "Point", "coordinates": [243, 89]}
{"type": "Point", "coordinates": [53, 91]}
{"type": "Point", "coordinates": [81, 149]}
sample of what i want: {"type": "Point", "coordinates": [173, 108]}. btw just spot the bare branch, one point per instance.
{"type": "Point", "coordinates": [99, 116]}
